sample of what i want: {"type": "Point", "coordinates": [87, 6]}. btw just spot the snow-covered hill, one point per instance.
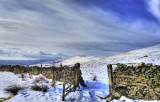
{"type": "Point", "coordinates": [78, 59]}
{"type": "Point", "coordinates": [147, 55]}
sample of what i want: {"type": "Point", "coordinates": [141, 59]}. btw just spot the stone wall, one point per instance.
{"type": "Point", "coordinates": [138, 82]}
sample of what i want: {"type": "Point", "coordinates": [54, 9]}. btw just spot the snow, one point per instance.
{"type": "Point", "coordinates": [6, 80]}
{"type": "Point", "coordinates": [91, 67]}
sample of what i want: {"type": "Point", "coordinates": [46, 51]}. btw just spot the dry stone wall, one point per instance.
{"type": "Point", "coordinates": [138, 82]}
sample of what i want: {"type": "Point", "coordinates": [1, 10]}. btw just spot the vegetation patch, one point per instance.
{"type": "Point", "coordinates": [42, 87]}
{"type": "Point", "coordinates": [39, 78]}
{"type": "Point", "coordinates": [13, 90]}
{"type": "Point", "coordinates": [5, 99]}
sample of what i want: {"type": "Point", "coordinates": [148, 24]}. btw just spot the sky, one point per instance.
{"type": "Point", "coordinates": [39, 29]}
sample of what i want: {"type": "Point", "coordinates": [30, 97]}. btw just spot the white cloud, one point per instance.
{"type": "Point", "coordinates": [155, 8]}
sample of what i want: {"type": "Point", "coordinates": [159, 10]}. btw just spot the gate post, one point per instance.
{"type": "Point", "coordinates": [53, 79]}
{"type": "Point", "coordinates": [61, 65]}
{"type": "Point", "coordinates": [77, 68]}
{"type": "Point", "coordinates": [64, 83]}
{"type": "Point", "coordinates": [110, 77]}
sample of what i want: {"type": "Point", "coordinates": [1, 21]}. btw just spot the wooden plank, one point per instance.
{"type": "Point", "coordinates": [69, 81]}
{"type": "Point", "coordinates": [67, 88]}
{"type": "Point", "coordinates": [70, 90]}
{"type": "Point", "coordinates": [66, 93]}
{"type": "Point", "coordinates": [68, 75]}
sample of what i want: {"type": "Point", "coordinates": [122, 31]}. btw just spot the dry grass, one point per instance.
{"type": "Point", "coordinates": [23, 77]}
{"type": "Point", "coordinates": [39, 78]}
{"type": "Point", "coordinates": [30, 76]}
{"type": "Point", "coordinates": [42, 88]}
{"type": "Point", "coordinates": [5, 99]}
{"type": "Point", "coordinates": [36, 88]}
{"type": "Point", "coordinates": [14, 89]}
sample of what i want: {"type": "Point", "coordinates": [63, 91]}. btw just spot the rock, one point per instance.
{"type": "Point", "coordinates": [123, 100]}
{"type": "Point", "coordinates": [142, 64]}
{"type": "Point", "coordinates": [149, 64]}
{"type": "Point", "coordinates": [117, 95]}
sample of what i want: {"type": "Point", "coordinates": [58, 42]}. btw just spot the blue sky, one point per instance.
{"type": "Point", "coordinates": [72, 27]}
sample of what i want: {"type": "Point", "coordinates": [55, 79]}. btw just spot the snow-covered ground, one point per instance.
{"type": "Point", "coordinates": [91, 67]}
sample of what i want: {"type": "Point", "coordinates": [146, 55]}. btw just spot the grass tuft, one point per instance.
{"type": "Point", "coordinates": [39, 78]}
{"type": "Point", "coordinates": [14, 89]}
{"type": "Point", "coordinates": [42, 88]}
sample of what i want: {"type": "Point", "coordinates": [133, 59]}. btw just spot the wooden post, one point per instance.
{"type": "Point", "coordinates": [77, 68]}
{"type": "Point", "coordinates": [110, 77]}
{"type": "Point", "coordinates": [53, 79]}
{"type": "Point", "coordinates": [61, 65]}
{"type": "Point", "coordinates": [71, 80]}
{"type": "Point", "coordinates": [75, 81]}
{"type": "Point", "coordinates": [64, 83]}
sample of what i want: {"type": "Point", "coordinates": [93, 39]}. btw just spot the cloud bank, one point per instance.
{"type": "Point", "coordinates": [53, 26]}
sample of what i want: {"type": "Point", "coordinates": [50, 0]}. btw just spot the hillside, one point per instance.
{"type": "Point", "coordinates": [147, 55]}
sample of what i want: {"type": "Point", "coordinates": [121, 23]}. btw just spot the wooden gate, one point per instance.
{"type": "Point", "coordinates": [69, 76]}
{"type": "Point", "coordinates": [70, 79]}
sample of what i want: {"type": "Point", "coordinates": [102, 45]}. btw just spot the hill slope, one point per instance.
{"type": "Point", "coordinates": [147, 55]}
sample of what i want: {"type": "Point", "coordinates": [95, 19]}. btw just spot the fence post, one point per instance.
{"type": "Point", "coordinates": [110, 77]}
{"type": "Point", "coordinates": [53, 79]}
{"type": "Point", "coordinates": [64, 83]}
{"type": "Point", "coordinates": [61, 65]}
{"type": "Point", "coordinates": [77, 68]}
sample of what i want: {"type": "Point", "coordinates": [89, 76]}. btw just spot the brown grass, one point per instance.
{"type": "Point", "coordinates": [42, 88]}
{"type": "Point", "coordinates": [14, 89]}
{"type": "Point", "coordinates": [39, 78]}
